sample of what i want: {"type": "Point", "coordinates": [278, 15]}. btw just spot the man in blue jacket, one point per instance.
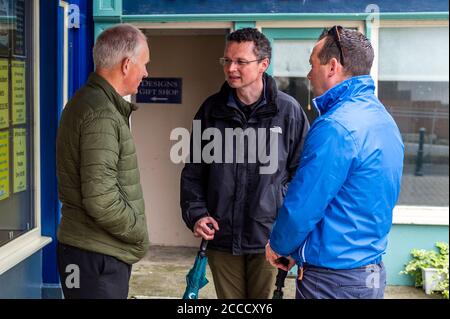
{"type": "Point", "coordinates": [337, 213]}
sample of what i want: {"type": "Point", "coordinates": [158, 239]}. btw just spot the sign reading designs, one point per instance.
{"type": "Point", "coordinates": [160, 90]}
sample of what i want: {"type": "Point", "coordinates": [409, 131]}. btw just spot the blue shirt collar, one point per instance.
{"type": "Point", "coordinates": [349, 87]}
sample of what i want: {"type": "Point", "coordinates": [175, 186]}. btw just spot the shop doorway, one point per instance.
{"type": "Point", "coordinates": [192, 56]}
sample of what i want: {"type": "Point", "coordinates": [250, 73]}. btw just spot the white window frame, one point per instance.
{"type": "Point", "coordinates": [31, 242]}
{"type": "Point", "coordinates": [65, 5]}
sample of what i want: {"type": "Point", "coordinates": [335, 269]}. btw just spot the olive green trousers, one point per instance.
{"type": "Point", "coordinates": [241, 277]}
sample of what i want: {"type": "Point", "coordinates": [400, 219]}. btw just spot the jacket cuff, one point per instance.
{"type": "Point", "coordinates": [195, 215]}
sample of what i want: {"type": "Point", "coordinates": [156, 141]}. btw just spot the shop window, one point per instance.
{"type": "Point", "coordinates": [16, 121]}
{"type": "Point", "coordinates": [291, 66]}
{"type": "Point", "coordinates": [413, 85]}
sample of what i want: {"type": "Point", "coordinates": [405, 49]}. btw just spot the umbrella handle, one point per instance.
{"type": "Point", "coordinates": [281, 276]}
{"type": "Point", "coordinates": [202, 251]}
{"type": "Point", "coordinates": [204, 243]}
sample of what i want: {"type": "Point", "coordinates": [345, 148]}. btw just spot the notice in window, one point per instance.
{"type": "Point", "coordinates": [4, 106]}
{"type": "Point", "coordinates": [4, 27]}
{"type": "Point", "coordinates": [19, 28]}
{"type": "Point", "coordinates": [18, 92]}
{"type": "Point", "coordinates": [20, 160]}
{"type": "Point", "coordinates": [4, 165]}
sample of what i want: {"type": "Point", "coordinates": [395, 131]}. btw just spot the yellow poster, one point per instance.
{"type": "Point", "coordinates": [20, 160]}
{"type": "Point", "coordinates": [4, 165]}
{"type": "Point", "coordinates": [4, 106]}
{"type": "Point", "coordinates": [18, 92]}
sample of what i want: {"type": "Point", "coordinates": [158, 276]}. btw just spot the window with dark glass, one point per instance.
{"type": "Point", "coordinates": [413, 85]}
{"type": "Point", "coordinates": [16, 120]}
{"type": "Point", "coordinates": [290, 70]}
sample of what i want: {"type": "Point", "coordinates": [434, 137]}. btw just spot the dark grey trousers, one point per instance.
{"type": "Point", "coordinates": [366, 282]}
{"type": "Point", "coordinates": [88, 275]}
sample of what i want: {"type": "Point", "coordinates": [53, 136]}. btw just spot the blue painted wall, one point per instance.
{"type": "Point", "coordinates": [24, 280]}
{"type": "Point", "coordinates": [404, 238]}
{"type": "Point", "coordinates": [81, 42]}
{"type": "Point", "coordinates": [135, 7]}
{"type": "Point", "coordinates": [51, 100]}
{"type": "Point", "coordinates": [49, 61]}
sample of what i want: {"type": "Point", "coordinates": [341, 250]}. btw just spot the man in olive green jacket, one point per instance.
{"type": "Point", "coordinates": [103, 228]}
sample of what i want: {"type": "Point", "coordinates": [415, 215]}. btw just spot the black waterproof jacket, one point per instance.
{"type": "Point", "coordinates": [238, 193]}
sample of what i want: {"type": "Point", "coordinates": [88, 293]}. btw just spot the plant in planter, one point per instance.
{"type": "Point", "coordinates": [424, 260]}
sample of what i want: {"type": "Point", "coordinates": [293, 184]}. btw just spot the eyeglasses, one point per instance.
{"type": "Point", "coordinates": [239, 62]}
{"type": "Point", "coordinates": [334, 31]}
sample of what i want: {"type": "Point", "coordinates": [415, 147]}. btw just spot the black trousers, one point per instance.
{"type": "Point", "coordinates": [88, 275]}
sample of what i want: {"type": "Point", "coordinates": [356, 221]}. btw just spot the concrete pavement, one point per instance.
{"type": "Point", "coordinates": [162, 274]}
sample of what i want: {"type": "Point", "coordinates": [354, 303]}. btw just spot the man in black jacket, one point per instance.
{"type": "Point", "coordinates": [237, 182]}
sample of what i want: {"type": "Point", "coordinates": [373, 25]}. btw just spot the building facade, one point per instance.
{"type": "Point", "coordinates": [45, 55]}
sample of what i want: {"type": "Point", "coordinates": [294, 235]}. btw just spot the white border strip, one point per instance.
{"type": "Point", "coordinates": [421, 215]}
{"type": "Point", "coordinates": [183, 25]}
{"type": "Point", "coordinates": [359, 24]}
{"type": "Point", "coordinates": [17, 251]}
{"type": "Point", "coordinates": [65, 6]}
{"type": "Point", "coordinates": [37, 121]}
{"type": "Point", "coordinates": [413, 23]}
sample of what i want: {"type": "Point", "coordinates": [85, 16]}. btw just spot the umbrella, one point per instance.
{"type": "Point", "coordinates": [196, 278]}
{"type": "Point", "coordinates": [281, 276]}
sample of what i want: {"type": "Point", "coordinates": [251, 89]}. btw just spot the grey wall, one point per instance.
{"type": "Point", "coordinates": [194, 58]}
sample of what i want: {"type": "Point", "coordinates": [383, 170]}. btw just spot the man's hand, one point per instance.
{"type": "Point", "coordinates": [201, 228]}
{"type": "Point", "coordinates": [273, 258]}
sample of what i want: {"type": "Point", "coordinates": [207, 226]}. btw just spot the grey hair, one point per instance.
{"type": "Point", "coordinates": [117, 43]}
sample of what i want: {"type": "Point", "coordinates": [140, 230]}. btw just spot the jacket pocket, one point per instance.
{"type": "Point", "coordinates": [125, 197]}
{"type": "Point", "coordinates": [280, 194]}
{"type": "Point", "coordinates": [138, 229]}
{"type": "Point", "coordinates": [272, 201]}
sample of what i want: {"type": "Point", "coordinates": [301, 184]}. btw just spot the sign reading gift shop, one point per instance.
{"type": "Point", "coordinates": [160, 90]}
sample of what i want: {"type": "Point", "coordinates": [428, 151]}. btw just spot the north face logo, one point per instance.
{"type": "Point", "coordinates": [276, 129]}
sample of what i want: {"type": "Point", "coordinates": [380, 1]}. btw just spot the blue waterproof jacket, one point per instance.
{"type": "Point", "coordinates": [337, 212]}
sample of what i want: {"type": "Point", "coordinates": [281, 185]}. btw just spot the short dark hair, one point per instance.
{"type": "Point", "coordinates": [356, 49]}
{"type": "Point", "coordinates": [261, 43]}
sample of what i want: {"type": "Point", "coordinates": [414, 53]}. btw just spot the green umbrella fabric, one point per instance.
{"type": "Point", "coordinates": [196, 278]}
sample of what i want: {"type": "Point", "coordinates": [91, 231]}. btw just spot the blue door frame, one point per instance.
{"type": "Point", "coordinates": [51, 102]}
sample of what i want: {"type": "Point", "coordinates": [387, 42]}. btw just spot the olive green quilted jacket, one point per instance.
{"type": "Point", "coordinates": [98, 176]}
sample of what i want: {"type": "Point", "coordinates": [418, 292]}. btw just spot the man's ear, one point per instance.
{"type": "Point", "coordinates": [265, 64]}
{"type": "Point", "coordinates": [333, 66]}
{"type": "Point", "coordinates": [125, 66]}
